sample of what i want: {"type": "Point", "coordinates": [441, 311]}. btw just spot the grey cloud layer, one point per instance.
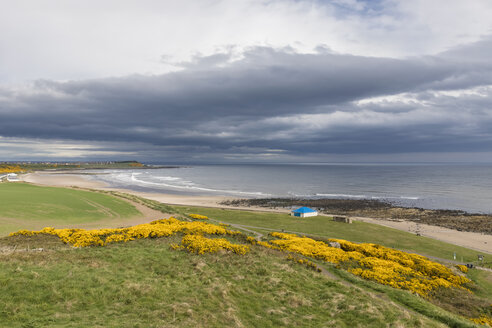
{"type": "Point", "coordinates": [272, 99]}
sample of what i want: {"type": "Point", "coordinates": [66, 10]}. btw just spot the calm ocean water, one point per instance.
{"type": "Point", "coordinates": [435, 186]}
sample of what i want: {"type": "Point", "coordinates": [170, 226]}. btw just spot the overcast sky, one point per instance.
{"type": "Point", "coordinates": [206, 81]}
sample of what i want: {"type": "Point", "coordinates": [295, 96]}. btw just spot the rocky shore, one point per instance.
{"type": "Point", "coordinates": [452, 219]}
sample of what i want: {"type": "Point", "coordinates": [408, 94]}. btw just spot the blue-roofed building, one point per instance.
{"type": "Point", "coordinates": [303, 212]}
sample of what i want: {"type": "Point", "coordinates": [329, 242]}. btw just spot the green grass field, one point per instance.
{"type": "Point", "coordinates": [26, 206]}
{"type": "Point", "coordinates": [356, 232]}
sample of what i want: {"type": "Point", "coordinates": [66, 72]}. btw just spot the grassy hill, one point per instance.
{"type": "Point", "coordinates": [146, 284]}
{"type": "Point", "coordinates": [26, 206]}
{"type": "Point", "coordinates": [152, 283]}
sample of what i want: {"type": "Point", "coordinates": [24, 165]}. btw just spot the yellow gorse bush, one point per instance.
{"type": "Point", "coordinates": [462, 268]}
{"type": "Point", "coordinates": [200, 245]}
{"type": "Point", "coordinates": [483, 320]}
{"type": "Point", "coordinates": [10, 168]}
{"type": "Point", "coordinates": [311, 248]}
{"type": "Point", "coordinates": [374, 262]}
{"type": "Point", "coordinates": [101, 237]}
{"type": "Point", "coordinates": [198, 216]}
{"type": "Point", "coordinates": [251, 240]}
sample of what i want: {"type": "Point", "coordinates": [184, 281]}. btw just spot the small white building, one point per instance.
{"type": "Point", "coordinates": [304, 212]}
{"type": "Point", "coordinates": [12, 177]}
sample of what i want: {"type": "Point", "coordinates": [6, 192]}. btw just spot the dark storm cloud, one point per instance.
{"type": "Point", "coordinates": [271, 99]}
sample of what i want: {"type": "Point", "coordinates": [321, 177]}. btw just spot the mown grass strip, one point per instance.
{"type": "Point", "coordinates": [24, 205]}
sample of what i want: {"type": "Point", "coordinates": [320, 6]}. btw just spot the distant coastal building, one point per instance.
{"type": "Point", "coordinates": [303, 212]}
{"type": "Point", "coordinates": [12, 177]}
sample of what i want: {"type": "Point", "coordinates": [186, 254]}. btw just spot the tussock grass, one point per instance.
{"type": "Point", "coordinates": [483, 282]}
{"type": "Point", "coordinates": [408, 300]}
{"type": "Point", "coordinates": [146, 284]}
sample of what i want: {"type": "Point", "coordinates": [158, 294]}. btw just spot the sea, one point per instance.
{"type": "Point", "coordinates": [466, 187]}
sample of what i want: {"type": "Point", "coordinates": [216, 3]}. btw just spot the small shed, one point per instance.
{"type": "Point", "coordinates": [304, 212]}
{"type": "Point", "coordinates": [342, 218]}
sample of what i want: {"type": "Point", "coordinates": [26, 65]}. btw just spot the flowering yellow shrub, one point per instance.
{"type": "Point", "coordinates": [251, 240]}
{"type": "Point", "coordinates": [312, 248]}
{"type": "Point", "coordinates": [374, 262]}
{"type": "Point", "coordinates": [101, 237]}
{"type": "Point", "coordinates": [424, 274]}
{"type": "Point", "coordinates": [10, 168]}
{"type": "Point", "coordinates": [462, 268]}
{"type": "Point", "coordinates": [483, 320]}
{"type": "Point", "coordinates": [200, 245]}
{"type": "Point", "coordinates": [198, 216]}
{"type": "Point", "coordinates": [267, 245]}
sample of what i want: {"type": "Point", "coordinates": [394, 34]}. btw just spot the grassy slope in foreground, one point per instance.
{"type": "Point", "coordinates": [357, 232]}
{"type": "Point", "coordinates": [146, 284]}
{"type": "Point", "coordinates": [25, 206]}
{"type": "Point", "coordinates": [143, 283]}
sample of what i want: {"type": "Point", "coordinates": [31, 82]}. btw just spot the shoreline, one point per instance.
{"type": "Point", "coordinates": [472, 240]}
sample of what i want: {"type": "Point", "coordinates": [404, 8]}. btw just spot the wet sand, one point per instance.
{"type": "Point", "coordinates": [477, 241]}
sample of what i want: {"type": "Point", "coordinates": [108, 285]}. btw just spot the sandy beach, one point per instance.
{"type": "Point", "coordinates": [472, 240]}
{"type": "Point", "coordinates": [477, 241]}
{"type": "Point", "coordinates": [71, 179]}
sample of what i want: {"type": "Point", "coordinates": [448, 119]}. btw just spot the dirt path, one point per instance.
{"type": "Point", "coordinates": [148, 214]}
{"type": "Point", "coordinates": [258, 235]}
